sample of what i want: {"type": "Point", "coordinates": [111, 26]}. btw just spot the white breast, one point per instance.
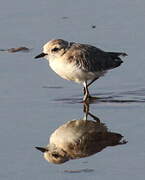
{"type": "Point", "coordinates": [70, 71]}
{"type": "Point", "coordinates": [66, 134]}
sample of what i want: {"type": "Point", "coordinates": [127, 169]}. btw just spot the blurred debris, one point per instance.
{"type": "Point", "coordinates": [13, 50]}
{"type": "Point", "coordinates": [93, 26]}
{"type": "Point", "coordinates": [65, 17]}
{"type": "Point", "coordinates": [79, 171]}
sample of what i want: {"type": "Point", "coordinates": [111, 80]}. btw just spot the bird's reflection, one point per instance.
{"type": "Point", "coordinates": [79, 138]}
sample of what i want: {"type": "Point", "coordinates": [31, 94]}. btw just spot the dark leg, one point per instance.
{"type": "Point", "coordinates": [86, 91]}
{"type": "Point", "coordinates": [94, 117]}
{"type": "Point", "coordinates": [92, 82]}
{"type": "Point", "coordinates": [87, 112]}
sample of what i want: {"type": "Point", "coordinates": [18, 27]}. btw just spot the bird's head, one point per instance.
{"type": "Point", "coordinates": [54, 155]}
{"type": "Point", "coordinates": [54, 48]}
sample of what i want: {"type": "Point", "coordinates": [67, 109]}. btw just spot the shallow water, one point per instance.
{"type": "Point", "coordinates": [34, 101]}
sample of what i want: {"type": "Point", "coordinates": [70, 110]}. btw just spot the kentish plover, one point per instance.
{"type": "Point", "coordinates": [81, 63]}
{"type": "Point", "coordinates": [77, 139]}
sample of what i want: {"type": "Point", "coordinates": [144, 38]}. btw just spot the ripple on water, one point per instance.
{"type": "Point", "coordinates": [124, 97]}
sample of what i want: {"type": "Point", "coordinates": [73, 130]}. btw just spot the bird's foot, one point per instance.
{"type": "Point", "coordinates": [89, 98]}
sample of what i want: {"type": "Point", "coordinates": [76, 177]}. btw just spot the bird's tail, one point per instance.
{"type": "Point", "coordinates": [115, 139]}
{"type": "Point", "coordinates": [117, 54]}
{"type": "Point", "coordinates": [116, 57]}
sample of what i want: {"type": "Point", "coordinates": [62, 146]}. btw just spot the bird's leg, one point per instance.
{"type": "Point", "coordinates": [92, 82]}
{"type": "Point", "coordinates": [86, 110]}
{"type": "Point", "coordinates": [86, 95]}
{"type": "Point", "coordinates": [84, 90]}
{"type": "Point", "coordinates": [94, 117]}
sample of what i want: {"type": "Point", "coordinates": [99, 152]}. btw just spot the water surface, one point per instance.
{"type": "Point", "coordinates": [34, 101]}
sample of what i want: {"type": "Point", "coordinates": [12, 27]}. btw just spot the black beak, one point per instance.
{"type": "Point", "coordinates": [40, 55]}
{"type": "Point", "coordinates": [42, 149]}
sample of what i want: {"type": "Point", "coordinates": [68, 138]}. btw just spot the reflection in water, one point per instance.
{"type": "Point", "coordinates": [78, 139]}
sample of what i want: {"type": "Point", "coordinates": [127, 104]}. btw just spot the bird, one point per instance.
{"type": "Point", "coordinates": [81, 63]}
{"type": "Point", "coordinates": [78, 139]}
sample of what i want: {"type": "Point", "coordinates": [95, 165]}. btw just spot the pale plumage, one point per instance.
{"type": "Point", "coordinates": [81, 63]}
{"type": "Point", "coordinates": [77, 139]}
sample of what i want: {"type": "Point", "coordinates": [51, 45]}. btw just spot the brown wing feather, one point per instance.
{"type": "Point", "coordinates": [90, 58]}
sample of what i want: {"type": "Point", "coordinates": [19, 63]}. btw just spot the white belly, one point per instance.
{"type": "Point", "coordinates": [71, 72]}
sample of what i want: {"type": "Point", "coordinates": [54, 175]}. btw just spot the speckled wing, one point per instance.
{"type": "Point", "coordinates": [90, 58]}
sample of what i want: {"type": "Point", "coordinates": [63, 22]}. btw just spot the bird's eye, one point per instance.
{"type": "Point", "coordinates": [55, 155]}
{"type": "Point", "coordinates": [55, 49]}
